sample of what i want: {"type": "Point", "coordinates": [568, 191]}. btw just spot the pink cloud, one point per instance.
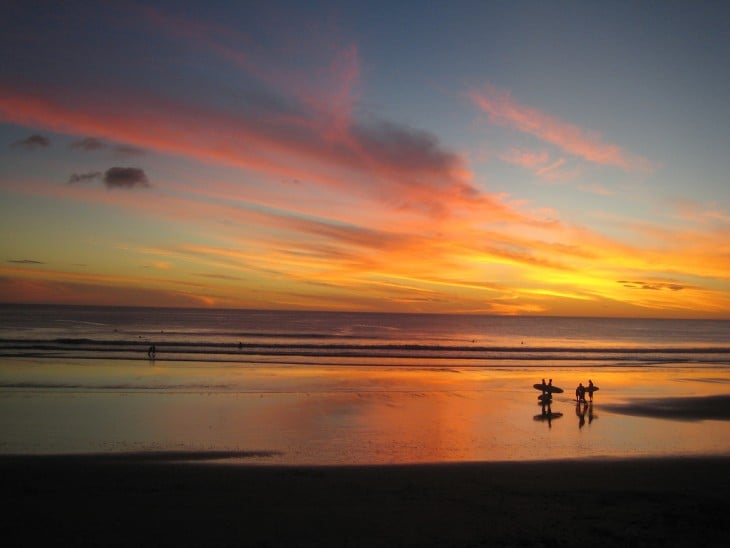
{"type": "Point", "coordinates": [526, 158]}
{"type": "Point", "coordinates": [689, 210]}
{"type": "Point", "coordinates": [502, 109]}
{"type": "Point", "coordinates": [541, 164]}
{"type": "Point", "coordinates": [391, 162]}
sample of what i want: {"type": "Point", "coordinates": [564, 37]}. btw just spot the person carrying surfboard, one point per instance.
{"type": "Point", "coordinates": [590, 389]}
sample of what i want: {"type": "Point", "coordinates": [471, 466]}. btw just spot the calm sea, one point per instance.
{"type": "Point", "coordinates": [332, 338]}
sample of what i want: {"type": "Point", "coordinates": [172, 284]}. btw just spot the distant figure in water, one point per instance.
{"type": "Point", "coordinates": [152, 351]}
{"type": "Point", "coordinates": [240, 345]}
{"type": "Point", "coordinates": [590, 389]}
{"type": "Point", "coordinates": [580, 393]}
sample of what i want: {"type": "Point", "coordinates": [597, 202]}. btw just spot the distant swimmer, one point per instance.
{"type": "Point", "coordinates": [152, 351]}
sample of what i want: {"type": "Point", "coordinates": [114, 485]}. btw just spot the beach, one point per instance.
{"type": "Point", "coordinates": [148, 500]}
{"type": "Point", "coordinates": [419, 460]}
{"type": "Point", "coordinates": [359, 430]}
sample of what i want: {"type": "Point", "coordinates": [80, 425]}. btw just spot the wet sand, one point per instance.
{"type": "Point", "coordinates": [156, 500]}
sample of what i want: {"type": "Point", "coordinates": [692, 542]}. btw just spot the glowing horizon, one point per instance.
{"type": "Point", "coordinates": [314, 161]}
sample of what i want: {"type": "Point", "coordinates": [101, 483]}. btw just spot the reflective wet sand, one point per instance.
{"type": "Point", "coordinates": [359, 415]}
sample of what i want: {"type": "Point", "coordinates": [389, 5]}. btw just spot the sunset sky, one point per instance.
{"type": "Point", "coordinates": [566, 158]}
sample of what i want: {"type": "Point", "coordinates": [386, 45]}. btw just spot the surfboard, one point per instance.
{"type": "Point", "coordinates": [547, 387]}
{"type": "Point", "coordinates": [590, 389]}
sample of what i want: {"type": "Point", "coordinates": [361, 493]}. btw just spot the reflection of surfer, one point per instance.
{"type": "Point", "coordinates": [580, 412]}
{"type": "Point", "coordinates": [547, 414]}
{"type": "Point", "coordinates": [591, 416]}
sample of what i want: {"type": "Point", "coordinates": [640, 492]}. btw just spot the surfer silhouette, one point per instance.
{"type": "Point", "coordinates": [590, 389]}
{"type": "Point", "coordinates": [580, 393]}
{"type": "Point", "coordinates": [152, 351]}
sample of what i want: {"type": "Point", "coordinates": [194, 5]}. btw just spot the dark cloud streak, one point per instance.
{"type": "Point", "coordinates": [126, 177]}
{"type": "Point", "coordinates": [33, 142]}
{"type": "Point", "coordinates": [653, 286]}
{"type": "Point", "coordinates": [114, 177]}
{"type": "Point", "coordinates": [89, 144]}
{"type": "Point", "coordinates": [84, 177]}
{"type": "Point", "coordinates": [92, 144]}
{"type": "Point", "coordinates": [25, 261]}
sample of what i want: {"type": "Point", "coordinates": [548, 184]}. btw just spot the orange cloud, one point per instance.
{"type": "Point", "coordinates": [59, 287]}
{"type": "Point", "coordinates": [502, 109]}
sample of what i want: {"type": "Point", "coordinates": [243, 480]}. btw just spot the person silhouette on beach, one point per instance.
{"type": "Point", "coordinates": [590, 389]}
{"type": "Point", "coordinates": [152, 351]}
{"type": "Point", "coordinates": [580, 393]}
{"type": "Point", "coordinates": [544, 389]}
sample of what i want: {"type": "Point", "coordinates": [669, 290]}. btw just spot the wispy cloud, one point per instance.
{"type": "Point", "coordinates": [541, 163]}
{"type": "Point", "coordinates": [33, 142]}
{"type": "Point", "coordinates": [84, 177]}
{"type": "Point", "coordinates": [651, 285]}
{"type": "Point", "coordinates": [504, 110]}
{"type": "Point", "coordinates": [93, 144]}
{"type": "Point", "coordinates": [115, 177]}
{"type": "Point", "coordinates": [692, 211]}
{"type": "Point", "coordinates": [67, 288]}
{"type": "Point", "coordinates": [89, 144]}
{"type": "Point", "coordinates": [25, 261]}
{"type": "Point", "coordinates": [529, 159]}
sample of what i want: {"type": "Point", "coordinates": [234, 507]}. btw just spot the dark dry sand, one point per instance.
{"type": "Point", "coordinates": [149, 500]}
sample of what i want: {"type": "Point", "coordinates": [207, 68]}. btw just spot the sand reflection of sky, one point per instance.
{"type": "Point", "coordinates": [355, 415]}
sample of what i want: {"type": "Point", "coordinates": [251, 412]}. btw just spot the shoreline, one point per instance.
{"type": "Point", "coordinates": [155, 499]}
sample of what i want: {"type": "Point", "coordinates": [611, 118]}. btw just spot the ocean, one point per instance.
{"type": "Point", "coordinates": [250, 336]}
{"type": "Point", "coordinates": [282, 387]}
